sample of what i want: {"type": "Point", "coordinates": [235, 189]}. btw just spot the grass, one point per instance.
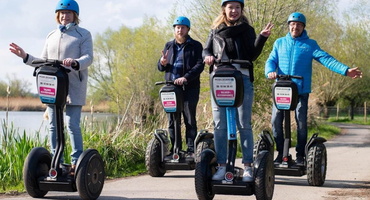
{"type": "Point", "coordinates": [357, 120]}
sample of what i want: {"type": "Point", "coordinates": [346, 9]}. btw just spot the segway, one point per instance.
{"type": "Point", "coordinates": [158, 157]}
{"type": "Point", "coordinates": [41, 171]}
{"type": "Point", "coordinates": [228, 91]}
{"type": "Point", "coordinates": [285, 97]}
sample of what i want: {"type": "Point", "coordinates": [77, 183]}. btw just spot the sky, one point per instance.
{"type": "Point", "coordinates": [27, 23]}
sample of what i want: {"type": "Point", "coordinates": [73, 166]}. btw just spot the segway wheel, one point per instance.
{"type": "Point", "coordinates": [36, 165]}
{"type": "Point", "coordinates": [205, 143]}
{"type": "Point", "coordinates": [90, 174]}
{"type": "Point", "coordinates": [203, 175]}
{"type": "Point", "coordinates": [153, 159]}
{"type": "Point", "coordinates": [264, 176]}
{"type": "Point", "coordinates": [316, 165]}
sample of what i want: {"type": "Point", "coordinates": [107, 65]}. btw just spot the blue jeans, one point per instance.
{"type": "Point", "coordinates": [191, 98]}
{"type": "Point", "coordinates": [244, 125]}
{"type": "Point", "coordinates": [73, 116]}
{"type": "Point", "coordinates": [301, 120]}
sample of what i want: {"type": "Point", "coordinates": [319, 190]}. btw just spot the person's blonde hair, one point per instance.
{"type": "Point", "coordinates": [75, 17]}
{"type": "Point", "coordinates": [220, 19]}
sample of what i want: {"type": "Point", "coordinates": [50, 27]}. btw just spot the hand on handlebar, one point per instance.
{"type": "Point", "coordinates": [272, 75]}
{"type": "Point", "coordinates": [209, 60]}
{"type": "Point", "coordinates": [180, 81]}
{"type": "Point", "coordinates": [68, 62]}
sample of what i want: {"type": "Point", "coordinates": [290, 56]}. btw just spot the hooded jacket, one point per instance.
{"type": "Point", "coordinates": [193, 62]}
{"type": "Point", "coordinates": [293, 56]}
{"type": "Point", "coordinates": [76, 43]}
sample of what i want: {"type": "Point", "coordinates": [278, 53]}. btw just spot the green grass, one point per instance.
{"type": "Point", "coordinates": [357, 120]}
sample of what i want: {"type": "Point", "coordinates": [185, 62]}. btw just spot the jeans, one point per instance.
{"type": "Point", "coordinates": [301, 120]}
{"type": "Point", "coordinates": [73, 116]}
{"type": "Point", "coordinates": [243, 122]}
{"type": "Point", "coordinates": [191, 98]}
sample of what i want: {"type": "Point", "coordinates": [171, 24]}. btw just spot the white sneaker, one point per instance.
{"type": "Point", "coordinates": [220, 174]}
{"type": "Point", "coordinates": [247, 175]}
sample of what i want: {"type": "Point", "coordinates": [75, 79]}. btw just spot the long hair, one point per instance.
{"type": "Point", "coordinates": [75, 17]}
{"type": "Point", "coordinates": [222, 19]}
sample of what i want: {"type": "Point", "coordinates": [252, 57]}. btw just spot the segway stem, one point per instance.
{"type": "Point", "coordinates": [231, 130]}
{"type": "Point", "coordinates": [287, 140]}
{"type": "Point", "coordinates": [59, 137]}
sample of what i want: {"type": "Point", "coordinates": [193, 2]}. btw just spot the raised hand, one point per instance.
{"type": "Point", "coordinates": [164, 58]}
{"type": "Point", "coordinates": [266, 32]}
{"type": "Point", "coordinates": [17, 50]}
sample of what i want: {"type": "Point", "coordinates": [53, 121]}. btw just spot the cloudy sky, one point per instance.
{"type": "Point", "coordinates": [27, 22]}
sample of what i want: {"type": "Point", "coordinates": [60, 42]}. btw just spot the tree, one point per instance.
{"type": "Point", "coordinates": [126, 67]}
{"type": "Point", "coordinates": [18, 87]}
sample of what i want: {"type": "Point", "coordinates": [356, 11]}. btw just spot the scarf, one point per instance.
{"type": "Point", "coordinates": [64, 28]}
{"type": "Point", "coordinates": [239, 34]}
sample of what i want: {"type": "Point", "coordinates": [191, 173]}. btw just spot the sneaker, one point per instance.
{"type": "Point", "coordinates": [299, 161]}
{"type": "Point", "coordinates": [278, 159]}
{"type": "Point", "coordinates": [220, 174]}
{"type": "Point", "coordinates": [247, 175]}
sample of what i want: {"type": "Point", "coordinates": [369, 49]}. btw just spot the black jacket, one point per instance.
{"type": "Point", "coordinates": [193, 62]}
{"type": "Point", "coordinates": [249, 46]}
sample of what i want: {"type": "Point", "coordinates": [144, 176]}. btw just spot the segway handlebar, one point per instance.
{"type": "Point", "coordinates": [47, 62]}
{"type": "Point", "coordinates": [287, 77]}
{"type": "Point", "coordinates": [164, 82]}
{"type": "Point", "coordinates": [236, 61]}
{"type": "Point", "coordinates": [167, 83]}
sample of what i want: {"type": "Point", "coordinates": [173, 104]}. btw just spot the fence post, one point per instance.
{"type": "Point", "coordinates": [337, 111]}
{"type": "Point", "coordinates": [365, 112]}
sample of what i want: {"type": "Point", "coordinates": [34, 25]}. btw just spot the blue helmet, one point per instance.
{"type": "Point", "coordinates": [225, 1]}
{"type": "Point", "coordinates": [68, 5]}
{"type": "Point", "coordinates": [297, 17]}
{"type": "Point", "coordinates": [182, 21]}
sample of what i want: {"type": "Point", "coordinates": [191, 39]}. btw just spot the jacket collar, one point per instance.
{"type": "Point", "coordinates": [302, 37]}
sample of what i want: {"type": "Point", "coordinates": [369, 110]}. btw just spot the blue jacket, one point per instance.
{"type": "Point", "coordinates": [293, 56]}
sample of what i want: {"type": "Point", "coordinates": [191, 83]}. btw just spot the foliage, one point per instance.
{"type": "Point", "coordinates": [17, 87]}
{"type": "Point", "coordinates": [125, 68]}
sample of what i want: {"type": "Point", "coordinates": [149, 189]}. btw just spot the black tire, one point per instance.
{"type": "Point", "coordinates": [316, 165]}
{"type": "Point", "coordinates": [90, 175]}
{"type": "Point", "coordinates": [153, 159]}
{"type": "Point", "coordinates": [204, 170]}
{"type": "Point", "coordinates": [36, 165]}
{"type": "Point", "coordinates": [205, 143]}
{"type": "Point", "coordinates": [265, 177]}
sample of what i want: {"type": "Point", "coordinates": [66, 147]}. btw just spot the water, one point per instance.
{"type": "Point", "coordinates": [34, 123]}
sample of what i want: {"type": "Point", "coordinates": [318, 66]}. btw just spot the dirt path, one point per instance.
{"type": "Point", "coordinates": [348, 178]}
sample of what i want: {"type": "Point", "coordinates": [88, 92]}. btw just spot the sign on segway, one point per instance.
{"type": "Point", "coordinates": [47, 87]}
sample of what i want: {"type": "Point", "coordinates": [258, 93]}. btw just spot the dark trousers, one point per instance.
{"type": "Point", "coordinates": [191, 98]}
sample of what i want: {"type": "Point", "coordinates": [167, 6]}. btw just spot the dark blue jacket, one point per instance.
{"type": "Point", "coordinates": [193, 62]}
